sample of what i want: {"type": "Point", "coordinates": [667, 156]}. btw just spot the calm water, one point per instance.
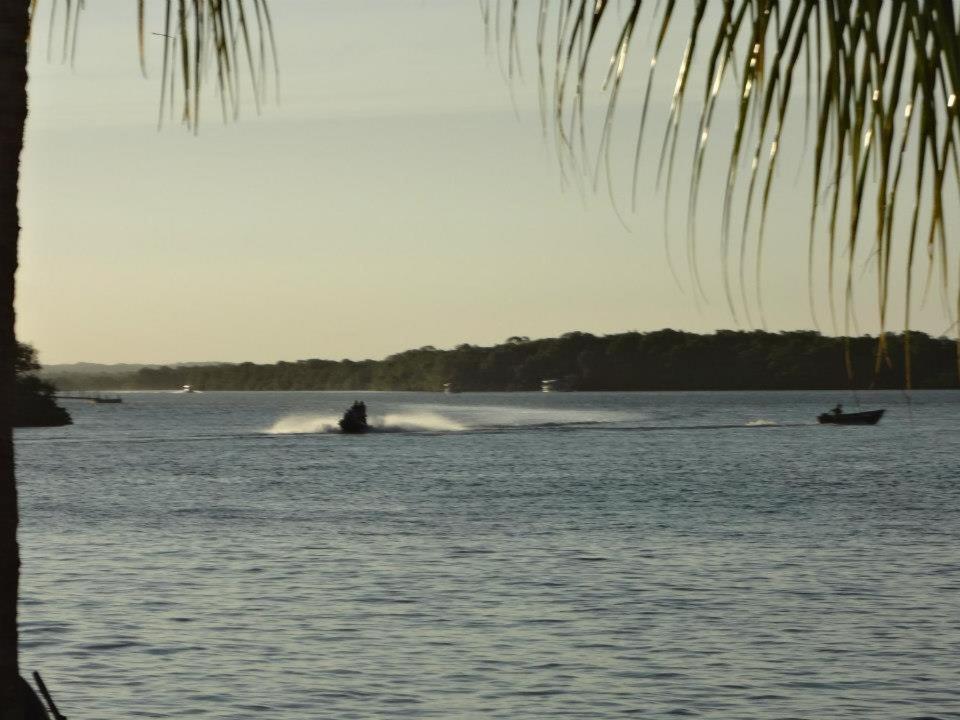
{"type": "Point", "coordinates": [220, 555]}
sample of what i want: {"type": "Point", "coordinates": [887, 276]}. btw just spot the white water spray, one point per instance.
{"type": "Point", "coordinates": [392, 422]}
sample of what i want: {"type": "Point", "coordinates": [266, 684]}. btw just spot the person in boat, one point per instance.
{"type": "Point", "coordinates": [355, 418]}
{"type": "Point", "coordinates": [838, 410]}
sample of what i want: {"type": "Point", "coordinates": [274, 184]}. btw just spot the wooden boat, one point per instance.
{"type": "Point", "coordinates": [871, 417]}
{"type": "Point", "coordinates": [354, 420]}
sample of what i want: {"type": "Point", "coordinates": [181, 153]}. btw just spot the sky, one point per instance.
{"type": "Point", "coordinates": [401, 193]}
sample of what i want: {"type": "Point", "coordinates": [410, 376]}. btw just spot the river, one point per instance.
{"type": "Point", "coordinates": [582, 555]}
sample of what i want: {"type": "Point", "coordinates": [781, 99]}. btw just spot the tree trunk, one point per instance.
{"type": "Point", "coordinates": [14, 28]}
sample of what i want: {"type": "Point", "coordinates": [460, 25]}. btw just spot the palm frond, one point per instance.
{"type": "Point", "coordinates": [881, 81]}
{"type": "Point", "coordinates": [201, 38]}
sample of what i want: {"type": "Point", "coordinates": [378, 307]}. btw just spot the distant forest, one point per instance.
{"type": "Point", "coordinates": [662, 360]}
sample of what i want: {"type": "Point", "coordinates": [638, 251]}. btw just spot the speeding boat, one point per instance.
{"type": "Point", "coordinates": [870, 417]}
{"type": "Point", "coordinates": [354, 420]}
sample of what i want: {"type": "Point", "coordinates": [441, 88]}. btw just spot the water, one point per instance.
{"type": "Point", "coordinates": [222, 555]}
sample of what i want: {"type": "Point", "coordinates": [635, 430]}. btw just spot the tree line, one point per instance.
{"type": "Point", "coordinates": [661, 360]}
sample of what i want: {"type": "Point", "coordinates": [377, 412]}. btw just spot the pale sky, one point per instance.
{"type": "Point", "coordinates": [396, 197]}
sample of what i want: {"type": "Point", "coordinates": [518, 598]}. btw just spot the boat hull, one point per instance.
{"type": "Point", "coordinates": [353, 428]}
{"type": "Point", "coordinates": [871, 417]}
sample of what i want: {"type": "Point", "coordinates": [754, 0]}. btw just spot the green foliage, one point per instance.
{"type": "Point", "coordinates": [26, 361]}
{"type": "Point", "coordinates": [33, 401]}
{"type": "Point", "coordinates": [663, 360]}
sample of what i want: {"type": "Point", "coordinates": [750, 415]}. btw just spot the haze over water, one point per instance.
{"type": "Point", "coordinates": [222, 555]}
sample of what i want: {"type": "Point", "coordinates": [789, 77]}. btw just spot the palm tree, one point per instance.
{"type": "Point", "coordinates": [883, 78]}
{"type": "Point", "coordinates": [14, 21]}
{"type": "Point", "coordinates": [202, 38]}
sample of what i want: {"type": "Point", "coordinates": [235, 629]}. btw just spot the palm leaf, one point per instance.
{"type": "Point", "coordinates": [201, 39]}
{"type": "Point", "coordinates": [881, 81]}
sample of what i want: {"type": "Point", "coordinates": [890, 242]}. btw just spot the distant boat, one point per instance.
{"type": "Point", "coordinates": [354, 420]}
{"type": "Point", "coordinates": [187, 389]}
{"type": "Point", "coordinates": [548, 385]}
{"type": "Point", "coordinates": [871, 417]}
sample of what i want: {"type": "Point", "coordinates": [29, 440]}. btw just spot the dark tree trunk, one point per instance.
{"type": "Point", "coordinates": [14, 26]}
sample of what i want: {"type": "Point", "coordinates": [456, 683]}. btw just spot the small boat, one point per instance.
{"type": "Point", "coordinates": [871, 417]}
{"type": "Point", "coordinates": [354, 420]}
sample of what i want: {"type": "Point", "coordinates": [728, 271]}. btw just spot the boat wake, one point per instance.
{"type": "Point", "coordinates": [430, 422]}
{"type": "Point", "coordinates": [459, 419]}
{"type": "Point", "coordinates": [424, 422]}
{"type": "Point", "coordinates": [417, 422]}
{"type": "Point", "coordinates": [393, 422]}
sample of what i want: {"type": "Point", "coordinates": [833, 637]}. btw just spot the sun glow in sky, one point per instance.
{"type": "Point", "coordinates": [401, 194]}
